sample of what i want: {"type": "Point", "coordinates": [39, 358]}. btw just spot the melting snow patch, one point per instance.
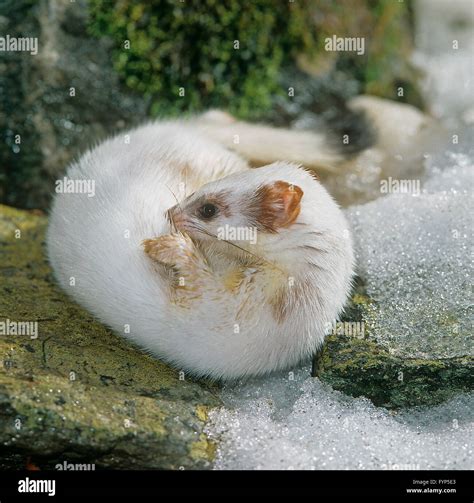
{"type": "Point", "coordinates": [301, 423]}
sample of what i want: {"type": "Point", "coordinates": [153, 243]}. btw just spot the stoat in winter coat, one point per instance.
{"type": "Point", "coordinates": [219, 269]}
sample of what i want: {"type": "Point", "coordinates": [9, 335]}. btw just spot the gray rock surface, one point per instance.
{"type": "Point", "coordinates": [60, 101]}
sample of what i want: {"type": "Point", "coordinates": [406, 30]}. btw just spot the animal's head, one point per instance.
{"type": "Point", "coordinates": [243, 208]}
{"type": "Point", "coordinates": [273, 212]}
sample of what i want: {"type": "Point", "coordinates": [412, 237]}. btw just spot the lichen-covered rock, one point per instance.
{"type": "Point", "coordinates": [359, 366]}
{"type": "Point", "coordinates": [70, 390]}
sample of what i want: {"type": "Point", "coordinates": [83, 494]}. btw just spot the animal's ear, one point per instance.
{"type": "Point", "coordinates": [279, 204]}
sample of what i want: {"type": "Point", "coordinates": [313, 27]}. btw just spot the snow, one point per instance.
{"type": "Point", "coordinates": [293, 421]}
{"type": "Point", "coordinates": [413, 252]}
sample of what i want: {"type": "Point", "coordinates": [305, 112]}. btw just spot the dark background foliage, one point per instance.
{"type": "Point", "coordinates": [173, 47]}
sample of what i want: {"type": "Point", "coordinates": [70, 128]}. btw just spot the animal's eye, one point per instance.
{"type": "Point", "coordinates": [208, 210]}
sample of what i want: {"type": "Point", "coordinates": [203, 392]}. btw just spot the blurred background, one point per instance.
{"type": "Point", "coordinates": [105, 65]}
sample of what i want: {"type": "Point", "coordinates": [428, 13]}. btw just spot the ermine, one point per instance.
{"type": "Point", "coordinates": [219, 269]}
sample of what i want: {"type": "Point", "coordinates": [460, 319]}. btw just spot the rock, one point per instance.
{"type": "Point", "coordinates": [364, 367]}
{"type": "Point", "coordinates": [57, 103]}
{"type": "Point", "coordinates": [445, 60]}
{"type": "Point", "coordinates": [78, 393]}
{"type": "Point", "coordinates": [415, 345]}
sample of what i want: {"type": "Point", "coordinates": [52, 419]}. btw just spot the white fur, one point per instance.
{"type": "Point", "coordinates": [261, 144]}
{"type": "Point", "coordinates": [94, 246]}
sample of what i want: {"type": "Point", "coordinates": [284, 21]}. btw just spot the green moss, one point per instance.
{"type": "Point", "coordinates": [78, 390]}
{"type": "Point", "coordinates": [191, 48]}
{"type": "Point", "coordinates": [164, 48]}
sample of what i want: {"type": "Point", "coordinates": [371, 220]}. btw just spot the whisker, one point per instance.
{"type": "Point", "coordinates": [174, 195]}
{"type": "Point", "coordinates": [261, 259]}
{"type": "Point", "coordinates": [168, 213]}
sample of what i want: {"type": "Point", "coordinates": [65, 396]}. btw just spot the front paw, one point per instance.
{"type": "Point", "coordinates": [170, 249]}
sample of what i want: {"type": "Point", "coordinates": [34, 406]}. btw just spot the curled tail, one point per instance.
{"type": "Point", "coordinates": [346, 134]}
